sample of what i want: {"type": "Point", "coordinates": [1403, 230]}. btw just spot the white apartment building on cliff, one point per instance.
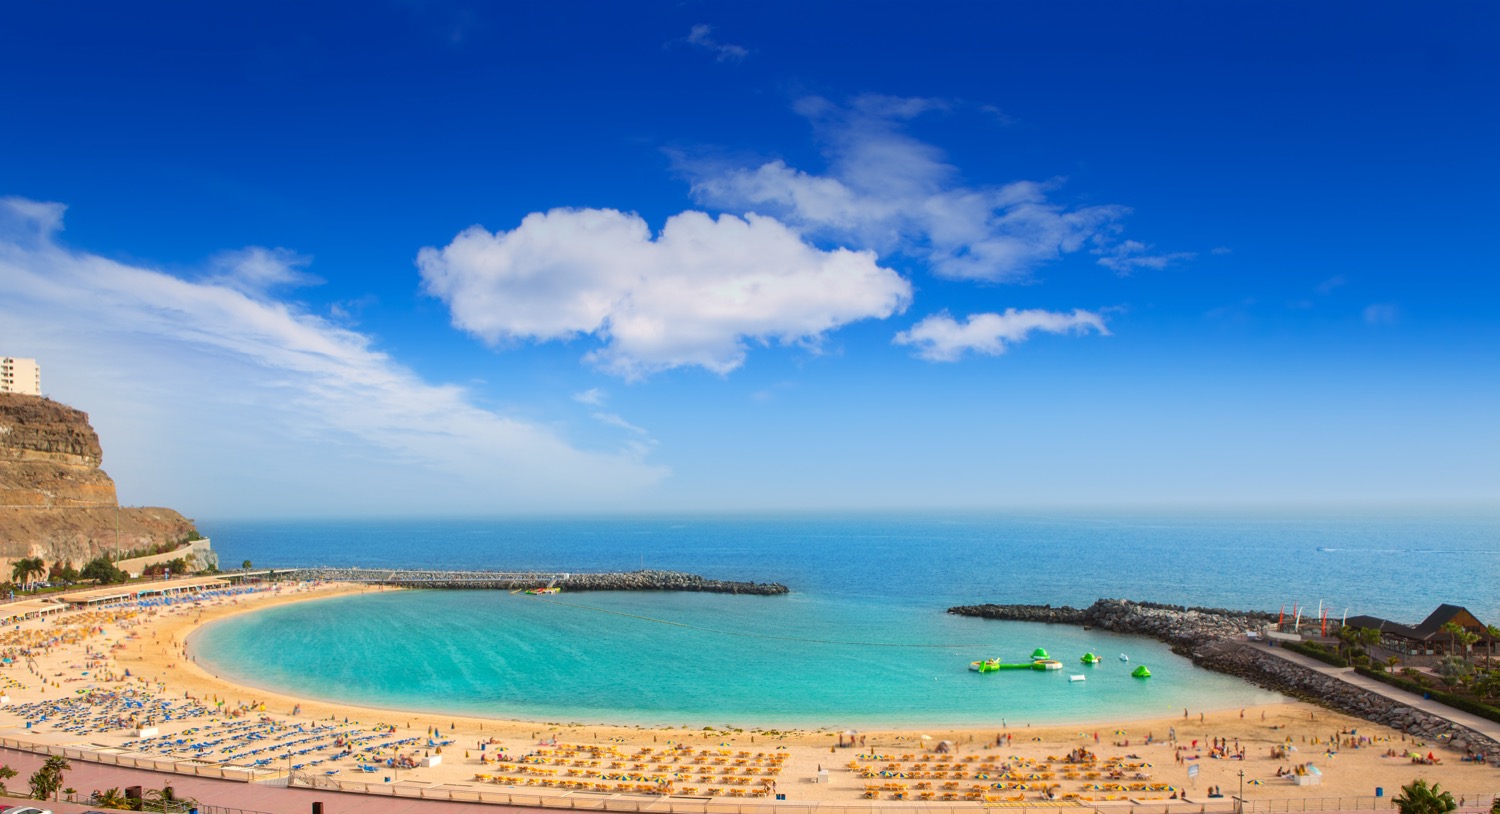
{"type": "Point", "coordinates": [20, 376]}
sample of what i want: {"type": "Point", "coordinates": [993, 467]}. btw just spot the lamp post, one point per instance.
{"type": "Point", "coordinates": [1239, 803]}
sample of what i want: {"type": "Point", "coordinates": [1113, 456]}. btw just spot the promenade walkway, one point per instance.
{"type": "Point", "coordinates": [1483, 726]}
{"type": "Point", "coordinates": [224, 794]}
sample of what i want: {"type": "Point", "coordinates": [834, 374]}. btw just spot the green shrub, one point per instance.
{"type": "Point", "coordinates": [1320, 653]}
{"type": "Point", "coordinates": [1456, 701]}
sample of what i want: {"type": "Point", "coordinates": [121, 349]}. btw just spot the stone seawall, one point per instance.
{"type": "Point", "coordinates": [1272, 672]}
{"type": "Point", "coordinates": [570, 582]}
{"type": "Point", "coordinates": [1209, 636]}
{"type": "Point", "coordinates": [1179, 626]}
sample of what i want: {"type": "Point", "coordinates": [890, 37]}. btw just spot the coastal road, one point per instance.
{"type": "Point", "coordinates": [1483, 726]}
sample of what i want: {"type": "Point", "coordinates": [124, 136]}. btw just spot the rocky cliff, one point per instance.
{"type": "Point", "coordinates": [55, 501]}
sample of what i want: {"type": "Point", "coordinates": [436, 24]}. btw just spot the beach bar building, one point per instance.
{"type": "Point", "coordinates": [1427, 638]}
{"type": "Point", "coordinates": [121, 593]}
{"type": "Point", "coordinates": [29, 609]}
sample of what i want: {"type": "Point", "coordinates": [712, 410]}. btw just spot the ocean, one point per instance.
{"type": "Point", "coordinates": [863, 640]}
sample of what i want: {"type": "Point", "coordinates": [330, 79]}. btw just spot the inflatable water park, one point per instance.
{"type": "Point", "coordinates": [1042, 660]}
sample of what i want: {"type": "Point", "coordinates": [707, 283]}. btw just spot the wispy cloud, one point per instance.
{"type": "Point", "coordinates": [256, 271]}
{"type": "Point", "coordinates": [1127, 256]}
{"type": "Point", "coordinates": [1382, 314]}
{"type": "Point", "coordinates": [613, 420]}
{"type": "Point", "coordinates": [593, 397]}
{"type": "Point", "coordinates": [941, 338]}
{"type": "Point", "coordinates": [1332, 283]}
{"type": "Point", "coordinates": [286, 400]}
{"type": "Point", "coordinates": [701, 37]}
{"type": "Point", "coordinates": [888, 191]}
{"type": "Point", "coordinates": [693, 296]}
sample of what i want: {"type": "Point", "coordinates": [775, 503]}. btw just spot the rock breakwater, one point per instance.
{"type": "Point", "coordinates": [1212, 638]}
{"type": "Point", "coordinates": [523, 580]}
{"type": "Point", "coordinates": [1272, 672]}
{"type": "Point", "coordinates": [1179, 626]}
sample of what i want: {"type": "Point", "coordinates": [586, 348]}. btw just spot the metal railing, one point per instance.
{"type": "Point", "coordinates": [607, 801]}
{"type": "Point", "coordinates": [1287, 805]}
{"type": "Point", "coordinates": [238, 774]}
{"type": "Point", "coordinates": [618, 802]}
{"type": "Point", "coordinates": [204, 808]}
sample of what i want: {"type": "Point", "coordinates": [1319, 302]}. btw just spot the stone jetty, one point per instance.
{"type": "Point", "coordinates": [1214, 639]}
{"type": "Point", "coordinates": [1179, 626]}
{"type": "Point", "coordinates": [523, 580]}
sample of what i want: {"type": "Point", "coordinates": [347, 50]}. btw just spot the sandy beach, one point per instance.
{"type": "Point", "coordinates": [77, 652]}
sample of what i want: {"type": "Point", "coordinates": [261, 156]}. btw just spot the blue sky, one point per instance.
{"type": "Point", "coordinates": [404, 258]}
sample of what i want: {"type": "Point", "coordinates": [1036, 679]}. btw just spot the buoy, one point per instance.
{"type": "Point", "coordinates": [1141, 672]}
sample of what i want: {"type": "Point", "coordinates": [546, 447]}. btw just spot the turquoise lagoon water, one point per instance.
{"type": "Point", "coordinates": [863, 640]}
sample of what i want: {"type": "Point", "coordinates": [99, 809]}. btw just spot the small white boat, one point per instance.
{"type": "Point", "coordinates": [1078, 678]}
{"type": "Point", "coordinates": [1124, 657]}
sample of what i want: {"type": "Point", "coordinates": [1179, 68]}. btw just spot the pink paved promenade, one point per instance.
{"type": "Point", "coordinates": [86, 777]}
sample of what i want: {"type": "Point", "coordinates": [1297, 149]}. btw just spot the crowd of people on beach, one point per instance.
{"type": "Point", "coordinates": [84, 648]}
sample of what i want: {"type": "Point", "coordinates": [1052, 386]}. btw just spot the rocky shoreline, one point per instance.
{"type": "Point", "coordinates": [510, 580]}
{"type": "Point", "coordinates": [1210, 637]}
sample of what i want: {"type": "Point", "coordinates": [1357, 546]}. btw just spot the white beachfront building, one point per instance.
{"type": "Point", "coordinates": [19, 375]}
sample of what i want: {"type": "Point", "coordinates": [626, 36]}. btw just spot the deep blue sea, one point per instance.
{"type": "Point", "coordinates": [862, 640]}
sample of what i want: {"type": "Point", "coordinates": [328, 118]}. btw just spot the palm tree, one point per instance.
{"type": "Point", "coordinates": [1494, 637]}
{"type": "Point", "coordinates": [48, 780]}
{"type": "Point", "coordinates": [1419, 799]}
{"type": "Point", "coordinates": [1349, 637]}
{"type": "Point", "coordinates": [161, 799]}
{"type": "Point", "coordinates": [1468, 639]}
{"type": "Point", "coordinates": [38, 569]}
{"type": "Point", "coordinates": [111, 798]}
{"type": "Point", "coordinates": [22, 570]}
{"type": "Point", "coordinates": [57, 764]}
{"type": "Point", "coordinates": [1453, 629]}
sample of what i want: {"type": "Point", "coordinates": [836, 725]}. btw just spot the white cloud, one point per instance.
{"type": "Point", "coordinates": [888, 191]}
{"type": "Point", "coordinates": [613, 420]}
{"type": "Point", "coordinates": [1381, 314]}
{"type": "Point", "coordinates": [593, 397]}
{"type": "Point", "coordinates": [212, 391]}
{"type": "Point", "coordinates": [1128, 255]}
{"type": "Point", "coordinates": [701, 36]}
{"type": "Point", "coordinates": [941, 338]}
{"type": "Point", "coordinates": [256, 271]}
{"type": "Point", "coordinates": [692, 296]}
